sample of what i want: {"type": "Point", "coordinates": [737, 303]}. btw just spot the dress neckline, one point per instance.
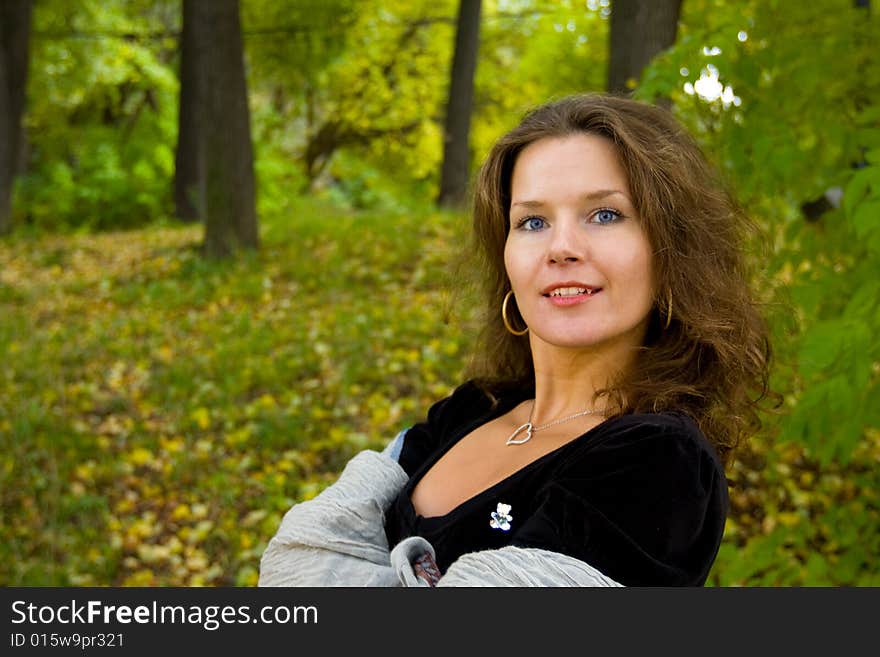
{"type": "Point", "coordinates": [457, 437]}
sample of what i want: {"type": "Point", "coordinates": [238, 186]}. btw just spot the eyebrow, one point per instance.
{"type": "Point", "coordinates": [592, 196]}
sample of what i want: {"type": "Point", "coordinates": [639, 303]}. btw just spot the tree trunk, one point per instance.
{"type": "Point", "coordinates": [188, 176]}
{"type": "Point", "coordinates": [15, 23]}
{"type": "Point", "coordinates": [224, 130]}
{"type": "Point", "coordinates": [455, 172]}
{"type": "Point", "coordinates": [639, 31]}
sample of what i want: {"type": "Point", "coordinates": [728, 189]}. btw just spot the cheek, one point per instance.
{"type": "Point", "coordinates": [637, 265]}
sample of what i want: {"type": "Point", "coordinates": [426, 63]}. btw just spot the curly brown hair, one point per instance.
{"type": "Point", "coordinates": [712, 361]}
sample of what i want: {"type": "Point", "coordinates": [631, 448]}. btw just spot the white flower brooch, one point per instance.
{"type": "Point", "coordinates": [501, 517]}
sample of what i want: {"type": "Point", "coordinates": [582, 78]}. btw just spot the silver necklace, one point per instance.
{"type": "Point", "coordinates": [531, 429]}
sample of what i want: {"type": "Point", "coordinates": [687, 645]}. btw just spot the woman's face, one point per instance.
{"type": "Point", "coordinates": [577, 257]}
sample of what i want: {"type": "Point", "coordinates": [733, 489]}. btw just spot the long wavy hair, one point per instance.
{"type": "Point", "coordinates": [712, 360]}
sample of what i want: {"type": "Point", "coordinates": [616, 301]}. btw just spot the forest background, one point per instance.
{"type": "Point", "coordinates": [184, 359]}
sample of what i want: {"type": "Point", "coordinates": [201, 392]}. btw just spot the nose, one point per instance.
{"type": "Point", "coordinates": [565, 244]}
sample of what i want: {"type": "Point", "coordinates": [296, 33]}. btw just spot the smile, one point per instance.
{"type": "Point", "coordinates": [573, 291]}
{"type": "Point", "coordinates": [570, 295]}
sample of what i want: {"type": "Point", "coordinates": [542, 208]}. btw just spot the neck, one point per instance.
{"type": "Point", "coordinates": [567, 379]}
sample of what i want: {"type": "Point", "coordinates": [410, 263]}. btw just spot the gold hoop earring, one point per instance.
{"type": "Point", "coordinates": [668, 311]}
{"type": "Point", "coordinates": [507, 321]}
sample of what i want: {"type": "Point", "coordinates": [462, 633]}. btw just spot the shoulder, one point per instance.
{"type": "Point", "coordinates": [667, 426]}
{"type": "Point", "coordinates": [467, 398]}
{"type": "Point", "coordinates": [661, 445]}
{"type": "Point", "coordinates": [644, 499]}
{"type": "Point", "coordinates": [461, 406]}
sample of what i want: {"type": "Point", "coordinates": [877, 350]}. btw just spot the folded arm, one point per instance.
{"type": "Point", "coordinates": [338, 538]}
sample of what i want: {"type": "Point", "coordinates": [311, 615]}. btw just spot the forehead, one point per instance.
{"type": "Point", "coordinates": [574, 164]}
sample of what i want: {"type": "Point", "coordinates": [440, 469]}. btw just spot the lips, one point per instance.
{"type": "Point", "coordinates": [569, 289]}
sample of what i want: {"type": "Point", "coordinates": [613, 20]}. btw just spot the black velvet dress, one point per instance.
{"type": "Point", "coordinates": [642, 497]}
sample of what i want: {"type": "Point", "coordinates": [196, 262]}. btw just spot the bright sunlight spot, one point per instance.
{"type": "Point", "coordinates": [710, 89]}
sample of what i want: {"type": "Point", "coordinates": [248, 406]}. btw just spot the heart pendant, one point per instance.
{"type": "Point", "coordinates": [527, 427]}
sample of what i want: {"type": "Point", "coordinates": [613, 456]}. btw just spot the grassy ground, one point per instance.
{"type": "Point", "coordinates": [160, 413]}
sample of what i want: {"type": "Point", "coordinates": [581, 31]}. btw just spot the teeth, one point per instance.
{"type": "Point", "coordinates": [569, 291]}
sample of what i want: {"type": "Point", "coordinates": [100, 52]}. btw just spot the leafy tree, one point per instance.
{"type": "Point", "coordinates": [290, 44]}
{"type": "Point", "coordinates": [356, 92]}
{"type": "Point", "coordinates": [787, 99]}
{"type": "Point", "coordinates": [382, 96]}
{"type": "Point", "coordinates": [518, 42]}
{"type": "Point", "coordinates": [100, 119]}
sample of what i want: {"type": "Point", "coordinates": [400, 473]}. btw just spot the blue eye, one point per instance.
{"type": "Point", "coordinates": [606, 216]}
{"type": "Point", "coordinates": [531, 223]}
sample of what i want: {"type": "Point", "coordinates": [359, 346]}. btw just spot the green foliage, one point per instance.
{"type": "Point", "coordinates": [100, 120]}
{"type": "Point", "coordinates": [530, 52]}
{"type": "Point", "coordinates": [346, 92]}
{"type": "Point", "coordinates": [805, 117]}
{"type": "Point", "coordinates": [291, 41]}
{"type": "Point", "coordinates": [801, 116]}
{"type": "Point", "coordinates": [796, 522]}
{"type": "Point", "coordinates": [379, 101]}
{"type": "Point", "coordinates": [364, 81]}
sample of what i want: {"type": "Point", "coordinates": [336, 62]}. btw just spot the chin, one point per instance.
{"type": "Point", "coordinates": [570, 340]}
{"type": "Point", "coordinates": [589, 338]}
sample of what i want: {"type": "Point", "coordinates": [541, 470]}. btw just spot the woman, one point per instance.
{"type": "Point", "coordinates": [621, 363]}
